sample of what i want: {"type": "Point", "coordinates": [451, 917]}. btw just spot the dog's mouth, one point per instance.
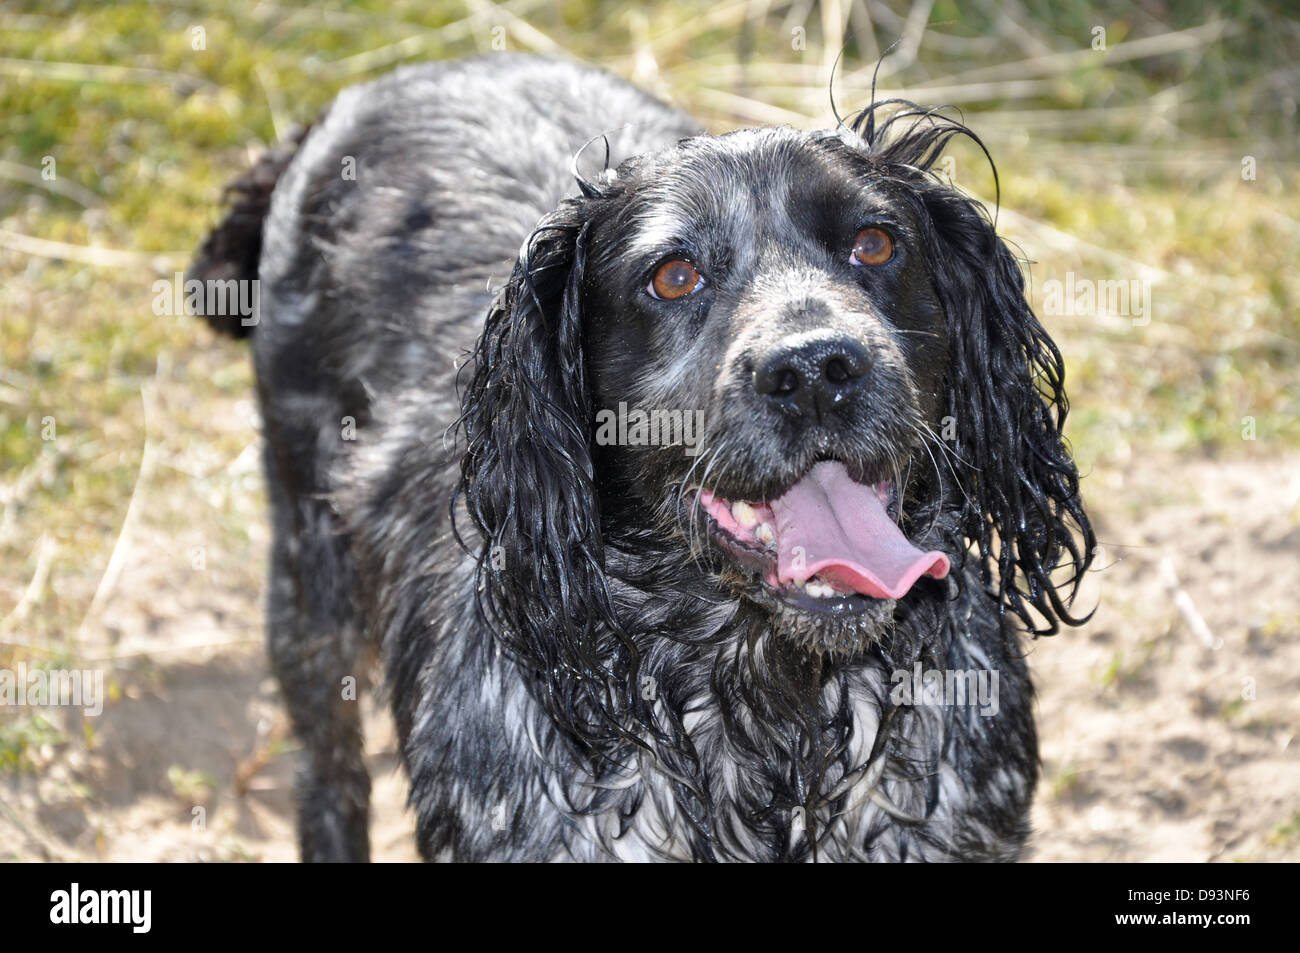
{"type": "Point", "coordinates": [828, 544]}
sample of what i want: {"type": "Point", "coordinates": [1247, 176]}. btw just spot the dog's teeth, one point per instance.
{"type": "Point", "coordinates": [819, 590]}
{"type": "Point", "coordinates": [765, 534]}
{"type": "Point", "coordinates": [744, 514]}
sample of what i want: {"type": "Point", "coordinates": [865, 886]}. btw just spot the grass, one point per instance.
{"type": "Point", "coordinates": [1112, 166]}
{"type": "Point", "coordinates": [1067, 783]}
{"type": "Point", "coordinates": [1286, 832]}
{"type": "Point", "coordinates": [25, 742]}
{"type": "Point", "coordinates": [191, 787]}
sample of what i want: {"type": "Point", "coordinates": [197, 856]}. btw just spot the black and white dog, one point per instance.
{"type": "Point", "coordinates": [703, 526]}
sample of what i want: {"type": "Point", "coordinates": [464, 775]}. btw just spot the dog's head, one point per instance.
{"type": "Point", "coordinates": [799, 361]}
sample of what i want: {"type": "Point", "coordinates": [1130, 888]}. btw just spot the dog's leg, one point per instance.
{"type": "Point", "coordinates": [318, 656]}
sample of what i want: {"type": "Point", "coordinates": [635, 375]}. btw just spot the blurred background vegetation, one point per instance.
{"type": "Point", "coordinates": [120, 122]}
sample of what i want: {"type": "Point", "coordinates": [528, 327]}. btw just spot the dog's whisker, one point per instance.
{"type": "Point", "coordinates": [928, 438]}
{"type": "Point", "coordinates": [937, 509]}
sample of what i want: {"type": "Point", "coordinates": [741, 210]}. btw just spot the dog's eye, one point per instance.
{"type": "Point", "coordinates": [675, 279]}
{"type": "Point", "coordinates": [872, 247]}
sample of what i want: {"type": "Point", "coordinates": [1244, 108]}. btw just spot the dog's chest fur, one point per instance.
{"type": "Point", "coordinates": [492, 780]}
{"type": "Point", "coordinates": [883, 815]}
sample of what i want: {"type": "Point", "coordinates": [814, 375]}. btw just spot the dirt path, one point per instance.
{"type": "Point", "coordinates": [1155, 746]}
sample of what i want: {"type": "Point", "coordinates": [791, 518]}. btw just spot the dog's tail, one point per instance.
{"type": "Point", "coordinates": [232, 249]}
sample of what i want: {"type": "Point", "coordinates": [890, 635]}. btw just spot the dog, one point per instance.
{"type": "Point", "coordinates": [678, 483]}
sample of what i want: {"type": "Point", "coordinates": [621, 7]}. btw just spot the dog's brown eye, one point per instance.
{"type": "Point", "coordinates": [872, 247]}
{"type": "Point", "coordinates": [675, 279]}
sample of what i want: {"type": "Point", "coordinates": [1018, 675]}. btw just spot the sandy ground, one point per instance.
{"type": "Point", "coordinates": [1156, 745]}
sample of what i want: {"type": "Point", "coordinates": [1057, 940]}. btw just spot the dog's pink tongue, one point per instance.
{"type": "Point", "coordinates": [828, 525]}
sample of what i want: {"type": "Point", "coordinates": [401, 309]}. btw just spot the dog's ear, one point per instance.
{"type": "Point", "coordinates": [528, 486]}
{"type": "Point", "coordinates": [1007, 403]}
{"type": "Point", "coordinates": [1006, 381]}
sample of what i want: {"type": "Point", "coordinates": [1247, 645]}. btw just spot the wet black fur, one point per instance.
{"type": "Point", "coordinates": [574, 672]}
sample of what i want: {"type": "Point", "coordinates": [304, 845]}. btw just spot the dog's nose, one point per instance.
{"type": "Point", "coordinates": [812, 374]}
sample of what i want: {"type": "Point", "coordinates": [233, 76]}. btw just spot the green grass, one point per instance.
{"type": "Point", "coordinates": [1106, 164]}
{"type": "Point", "coordinates": [1287, 831]}
{"type": "Point", "coordinates": [24, 740]}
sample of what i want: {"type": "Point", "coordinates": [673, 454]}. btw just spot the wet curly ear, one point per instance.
{"type": "Point", "coordinates": [527, 485]}
{"type": "Point", "coordinates": [1007, 396]}
{"type": "Point", "coordinates": [1006, 379]}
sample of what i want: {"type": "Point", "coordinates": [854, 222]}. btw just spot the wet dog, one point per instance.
{"type": "Point", "coordinates": [694, 491]}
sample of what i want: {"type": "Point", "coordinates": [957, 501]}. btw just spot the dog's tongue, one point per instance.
{"type": "Point", "coordinates": [828, 525]}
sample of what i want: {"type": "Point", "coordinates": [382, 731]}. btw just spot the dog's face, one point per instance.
{"type": "Point", "coordinates": [868, 395]}
{"type": "Point", "coordinates": [767, 285]}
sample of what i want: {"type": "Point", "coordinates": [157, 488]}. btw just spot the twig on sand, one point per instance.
{"type": "Point", "coordinates": [417, 44]}
{"type": "Point", "coordinates": [752, 110]}
{"type": "Point", "coordinates": [44, 556]}
{"type": "Point", "coordinates": [520, 29]}
{"type": "Point", "coordinates": [274, 101]}
{"type": "Point", "coordinates": [247, 769]}
{"type": "Point", "coordinates": [17, 172]}
{"type": "Point", "coordinates": [1055, 64]}
{"type": "Point", "coordinates": [160, 262]}
{"type": "Point", "coordinates": [148, 460]}
{"type": "Point", "coordinates": [101, 73]}
{"type": "Point", "coordinates": [1186, 607]}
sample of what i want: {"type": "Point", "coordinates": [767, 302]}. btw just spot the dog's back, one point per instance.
{"type": "Point", "coordinates": [408, 200]}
